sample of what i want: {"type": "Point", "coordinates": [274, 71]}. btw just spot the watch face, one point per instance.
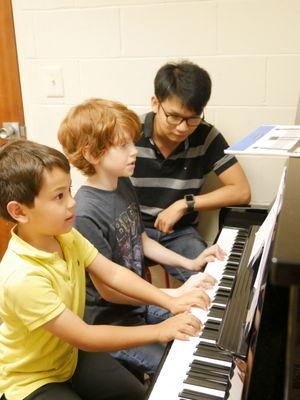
{"type": "Point", "coordinates": [189, 197]}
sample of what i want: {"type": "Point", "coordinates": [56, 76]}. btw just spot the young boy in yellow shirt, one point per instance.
{"type": "Point", "coordinates": [42, 292]}
{"type": "Point", "coordinates": [98, 138]}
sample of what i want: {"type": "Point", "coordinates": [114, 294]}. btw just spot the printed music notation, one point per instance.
{"type": "Point", "coordinates": [270, 140]}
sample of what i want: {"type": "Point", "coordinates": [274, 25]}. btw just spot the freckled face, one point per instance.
{"type": "Point", "coordinates": [119, 160]}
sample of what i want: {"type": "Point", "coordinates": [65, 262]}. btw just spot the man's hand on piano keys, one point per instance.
{"type": "Point", "coordinates": [195, 298]}
{"type": "Point", "coordinates": [181, 326]}
{"type": "Point", "coordinates": [210, 254]}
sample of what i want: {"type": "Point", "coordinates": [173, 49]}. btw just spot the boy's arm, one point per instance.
{"type": "Point", "coordinates": [112, 295]}
{"type": "Point", "coordinates": [155, 251]}
{"type": "Point", "coordinates": [73, 330]}
{"type": "Point", "coordinates": [130, 284]}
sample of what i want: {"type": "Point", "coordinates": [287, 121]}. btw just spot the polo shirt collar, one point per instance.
{"type": "Point", "coordinates": [22, 248]}
{"type": "Point", "coordinates": [148, 124]}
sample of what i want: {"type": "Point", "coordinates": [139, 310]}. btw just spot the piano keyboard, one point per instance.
{"type": "Point", "coordinates": [197, 369]}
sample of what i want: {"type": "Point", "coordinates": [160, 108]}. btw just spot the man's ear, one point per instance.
{"type": "Point", "coordinates": [154, 104]}
{"type": "Point", "coordinates": [17, 211]}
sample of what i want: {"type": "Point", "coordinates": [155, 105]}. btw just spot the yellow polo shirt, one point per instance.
{"type": "Point", "coordinates": [35, 287]}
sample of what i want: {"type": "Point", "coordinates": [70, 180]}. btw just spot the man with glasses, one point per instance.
{"type": "Point", "coordinates": [176, 151]}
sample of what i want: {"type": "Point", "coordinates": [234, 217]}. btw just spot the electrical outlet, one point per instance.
{"type": "Point", "coordinates": [53, 81]}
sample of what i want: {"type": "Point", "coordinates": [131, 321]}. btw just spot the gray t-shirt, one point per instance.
{"type": "Point", "coordinates": [111, 220]}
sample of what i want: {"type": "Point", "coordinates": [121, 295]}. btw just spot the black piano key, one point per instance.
{"type": "Point", "coordinates": [241, 242]}
{"type": "Point", "coordinates": [233, 263]}
{"type": "Point", "coordinates": [215, 355]}
{"type": "Point", "coordinates": [243, 232]}
{"type": "Point", "coordinates": [240, 238]}
{"type": "Point", "coordinates": [213, 347]}
{"type": "Point", "coordinates": [206, 384]}
{"type": "Point", "coordinates": [222, 292]}
{"type": "Point", "coordinates": [208, 345]}
{"type": "Point", "coordinates": [212, 370]}
{"type": "Point", "coordinates": [236, 254]}
{"type": "Point", "coordinates": [216, 312]}
{"type": "Point", "coordinates": [209, 334]}
{"type": "Point", "coordinates": [238, 247]}
{"type": "Point", "coordinates": [215, 368]}
{"type": "Point", "coordinates": [192, 395]}
{"type": "Point", "coordinates": [230, 276]}
{"type": "Point", "coordinates": [234, 259]}
{"type": "Point", "coordinates": [212, 324]}
{"type": "Point", "coordinates": [220, 300]}
{"type": "Point", "coordinates": [208, 377]}
{"type": "Point", "coordinates": [232, 268]}
{"type": "Point", "coordinates": [229, 273]}
{"type": "Point", "coordinates": [237, 238]}
{"type": "Point", "coordinates": [226, 283]}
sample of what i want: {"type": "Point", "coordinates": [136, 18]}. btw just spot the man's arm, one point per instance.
{"type": "Point", "coordinates": [235, 191]}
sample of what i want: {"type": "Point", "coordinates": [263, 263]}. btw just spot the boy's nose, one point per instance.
{"type": "Point", "coordinates": [133, 150]}
{"type": "Point", "coordinates": [72, 202]}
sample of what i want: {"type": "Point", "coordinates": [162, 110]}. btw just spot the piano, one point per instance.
{"type": "Point", "coordinates": [232, 359]}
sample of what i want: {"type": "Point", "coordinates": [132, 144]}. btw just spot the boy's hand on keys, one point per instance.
{"type": "Point", "coordinates": [200, 280]}
{"type": "Point", "coordinates": [181, 326]}
{"type": "Point", "coordinates": [196, 298]}
{"type": "Point", "coordinates": [210, 254]}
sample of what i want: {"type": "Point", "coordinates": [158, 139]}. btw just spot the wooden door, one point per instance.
{"type": "Point", "coordinates": [11, 106]}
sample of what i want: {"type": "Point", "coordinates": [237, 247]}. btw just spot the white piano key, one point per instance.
{"type": "Point", "coordinates": [201, 389]}
{"type": "Point", "coordinates": [213, 361]}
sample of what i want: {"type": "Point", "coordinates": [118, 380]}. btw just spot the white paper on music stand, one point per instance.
{"type": "Point", "coordinates": [262, 245]}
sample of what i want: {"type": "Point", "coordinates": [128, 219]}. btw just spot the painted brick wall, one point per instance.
{"type": "Point", "coordinates": [112, 49]}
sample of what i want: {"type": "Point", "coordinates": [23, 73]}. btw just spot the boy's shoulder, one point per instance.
{"type": "Point", "coordinates": [88, 196]}
{"type": "Point", "coordinates": [19, 261]}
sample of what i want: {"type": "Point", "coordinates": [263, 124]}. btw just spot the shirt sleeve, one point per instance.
{"type": "Point", "coordinates": [216, 159]}
{"type": "Point", "coordinates": [94, 234]}
{"type": "Point", "coordinates": [138, 204]}
{"type": "Point", "coordinates": [33, 300]}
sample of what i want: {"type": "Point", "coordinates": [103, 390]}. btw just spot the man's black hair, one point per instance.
{"type": "Point", "coordinates": [185, 80]}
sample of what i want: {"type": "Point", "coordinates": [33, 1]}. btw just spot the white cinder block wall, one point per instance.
{"type": "Point", "coordinates": [112, 49]}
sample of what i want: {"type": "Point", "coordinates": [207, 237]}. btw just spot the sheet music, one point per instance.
{"type": "Point", "coordinates": [282, 137]}
{"type": "Point", "coordinates": [269, 140]}
{"type": "Point", "coordinates": [262, 245]}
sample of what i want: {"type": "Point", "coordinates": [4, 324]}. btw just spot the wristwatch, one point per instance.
{"type": "Point", "coordinates": [190, 202]}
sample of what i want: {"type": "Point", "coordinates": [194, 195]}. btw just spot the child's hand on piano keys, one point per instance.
{"type": "Point", "coordinates": [200, 280]}
{"type": "Point", "coordinates": [195, 298]}
{"type": "Point", "coordinates": [182, 326]}
{"type": "Point", "coordinates": [210, 254]}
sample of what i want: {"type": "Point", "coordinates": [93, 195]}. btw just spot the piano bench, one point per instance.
{"type": "Point", "coordinates": [158, 273]}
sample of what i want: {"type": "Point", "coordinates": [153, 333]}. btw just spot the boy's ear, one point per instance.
{"type": "Point", "coordinates": [154, 104]}
{"type": "Point", "coordinates": [88, 156]}
{"type": "Point", "coordinates": [17, 211]}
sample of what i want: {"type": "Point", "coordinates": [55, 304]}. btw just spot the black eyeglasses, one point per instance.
{"type": "Point", "coordinates": [177, 120]}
